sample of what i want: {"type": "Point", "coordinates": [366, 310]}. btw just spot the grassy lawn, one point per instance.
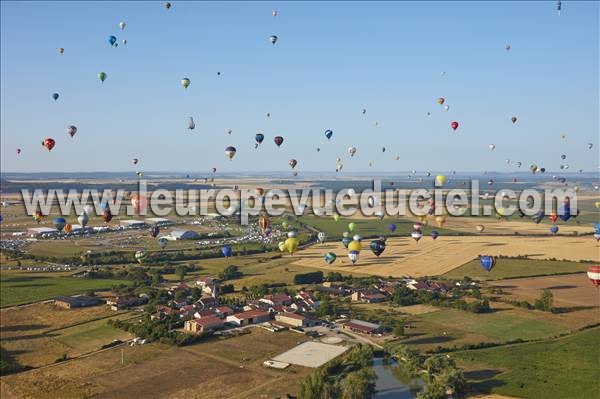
{"type": "Point", "coordinates": [512, 268]}
{"type": "Point", "coordinates": [367, 227]}
{"type": "Point", "coordinates": [562, 368]}
{"type": "Point", "coordinates": [21, 287]}
{"type": "Point", "coordinates": [90, 336]}
{"type": "Point", "coordinates": [505, 325]}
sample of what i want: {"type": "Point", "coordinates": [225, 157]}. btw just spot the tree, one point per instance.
{"type": "Point", "coordinates": [398, 330]}
{"type": "Point", "coordinates": [181, 271]}
{"type": "Point", "coordinates": [359, 384]}
{"type": "Point", "coordinates": [545, 302]}
{"type": "Point", "coordinates": [325, 308]}
{"type": "Point", "coordinates": [312, 386]}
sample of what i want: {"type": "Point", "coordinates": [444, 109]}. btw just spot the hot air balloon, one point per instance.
{"type": "Point", "coordinates": [274, 13]}
{"type": "Point", "coordinates": [185, 82]}
{"type": "Point", "coordinates": [441, 100]}
{"type": "Point", "coordinates": [597, 236]}
{"type": "Point", "coordinates": [351, 226]}
{"type": "Point", "coordinates": [553, 217]}
{"type": "Point", "coordinates": [59, 223]}
{"type": "Point", "coordinates": [507, 47]}
{"type": "Point", "coordinates": [168, 5]}
{"type": "Point", "coordinates": [330, 257]}
{"type": "Point", "coordinates": [191, 124]}
{"type": "Point", "coordinates": [259, 138]}
{"type": "Point", "coordinates": [590, 146]}
{"type": "Point", "coordinates": [440, 220]}
{"type": "Point", "coordinates": [440, 180]}
{"type": "Point", "coordinates": [278, 140]}
{"type": "Point", "coordinates": [292, 242]}
{"type": "Point", "coordinates": [538, 217]}
{"type": "Point", "coordinates": [263, 222]}
{"type": "Point", "coordinates": [514, 119]}
{"type": "Point", "coordinates": [107, 215]}
{"type": "Point", "coordinates": [135, 161]}
{"type": "Point", "coordinates": [122, 25]}
{"type": "Point", "coordinates": [154, 230]}
{"type": "Point", "coordinates": [480, 228]}
{"type": "Point", "coordinates": [377, 247]}
{"type": "Point", "coordinates": [140, 256]}
{"type": "Point", "coordinates": [112, 40]}
{"type": "Point", "coordinates": [162, 242]}
{"type": "Point", "coordinates": [38, 216]}
{"type": "Point", "coordinates": [487, 262]}
{"type": "Point", "coordinates": [293, 163]}
{"type": "Point", "coordinates": [454, 125]}
{"type": "Point", "coordinates": [593, 273]}
{"type": "Point", "coordinates": [353, 256]}
{"type": "Point", "coordinates": [492, 146]}
{"type": "Point", "coordinates": [49, 143]}
{"type": "Point", "coordinates": [68, 228]}
{"type": "Point", "coordinates": [346, 241]}
{"type": "Point", "coordinates": [416, 235]}
{"type": "Point", "coordinates": [83, 219]}
{"type": "Point", "coordinates": [230, 152]}
{"type": "Point", "coordinates": [418, 226]}
{"type": "Point", "coordinates": [139, 202]}
{"type": "Point", "coordinates": [18, 151]}
{"type": "Point", "coordinates": [72, 130]}
{"type": "Point", "coordinates": [434, 234]}
{"type": "Point", "coordinates": [336, 217]}
{"type": "Point", "coordinates": [351, 150]}
{"type": "Point", "coordinates": [328, 134]}
{"type": "Point", "coordinates": [392, 227]}
{"type": "Point", "coordinates": [55, 96]}
{"type": "Point", "coordinates": [102, 76]}
{"type": "Point", "coordinates": [226, 251]}
{"type": "Point", "coordinates": [61, 50]}
{"type": "Point", "coordinates": [273, 39]}
{"type": "Point", "coordinates": [554, 230]}
{"type": "Point", "coordinates": [558, 7]}
{"type": "Point", "coordinates": [321, 237]}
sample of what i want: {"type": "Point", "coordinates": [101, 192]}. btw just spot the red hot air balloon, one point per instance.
{"type": "Point", "coordinates": [49, 143]}
{"type": "Point", "coordinates": [107, 215]}
{"type": "Point", "coordinates": [593, 274]}
{"type": "Point", "coordinates": [139, 202]}
{"type": "Point", "coordinates": [278, 140]}
{"type": "Point", "coordinates": [454, 125]}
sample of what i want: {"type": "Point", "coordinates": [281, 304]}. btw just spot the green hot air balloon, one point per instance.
{"type": "Point", "coordinates": [102, 76]}
{"type": "Point", "coordinates": [185, 82]}
{"type": "Point", "coordinates": [351, 226]}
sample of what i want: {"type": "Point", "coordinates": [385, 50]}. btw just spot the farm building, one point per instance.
{"type": "Point", "coordinates": [278, 299]}
{"type": "Point", "coordinates": [295, 319]}
{"type": "Point", "coordinates": [38, 231]}
{"type": "Point", "coordinates": [249, 317]}
{"type": "Point", "coordinates": [205, 324]}
{"type": "Point", "coordinates": [183, 235]}
{"type": "Point", "coordinates": [363, 327]}
{"type": "Point", "coordinates": [125, 302]}
{"type": "Point", "coordinates": [368, 297]}
{"type": "Point", "coordinates": [81, 301]}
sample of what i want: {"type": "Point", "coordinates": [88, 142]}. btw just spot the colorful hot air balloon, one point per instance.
{"type": "Point", "coordinates": [514, 119]}
{"type": "Point", "coordinates": [59, 223]}
{"type": "Point", "coordinates": [139, 202]}
{"type": "Point", "coordinates": [83, 219]}
{"type": "Point", "coordinates": [330, 257]}
{"type": "Point", "coordinates": [336, 217]}
{"type": "Point", "coordinates": [107, 215]}
{"type": "Point", "coordinates": [230, 152]}
{"type": "Point", "coordinates": [68, 228]}
{"type": "Point", "coordinates": [321, 237]}
{"type": "Point", "coordinates": [440, 220]}
{"type": "Point", "coordinates": [185, 82]}
{"type": "Point", "coordinates": [328, 134]}
{"type": "Point", "coordinates": [480, 228]}
{"type": "Point", "coordinates": [418, 226]}
{"type": "Point", "coordinates": [154, 230]}
{"type": "Point", "coordinates": [346, 241]}
{"type": "Point", "coordinates": [353, 256]}
{"type": "Point", "coordinates": [441, 100]}
{"type": "Point", "coordinates": [61, 50]}
{"type": "Point", "coordinates": [141, 256]}
{"type": "Point", "coordinates": [274, 13]}
{"type": "Point", "coordinates": [593, 273]}
{"type": "Point", "coordinates": [440, 180]}
{"type": "Point", "coordinates": [293, 163]}
{"type": "Point", "coordinates": [112, 40]}
{"type": "Point", "coordinates": [273, 39]}
{"type": "Point", "coordinates": [416, 235]}
{"type": "Point", "coordinates": [278, 140]}
{"type": "Point", "coordinates": [38, 216]}
{"type": "Point", "coordinates": [538, 217]}
{"type": "Point", "coordinates": [351, 226]}
{"type": "Point", "coordinates": [554, 230]}
{"type": "Point", "coordinates": [454, 125]}
{"type": "Point", "coordinates": [434, 234]}
{"type": "Point", "coordinates": [377, 247]}
{"type": "Point", "coordinates": [487, 262]}
{"type": "Point", "coordinates": [553, 217]}
{"type": "Point", "coordinates": [263, 222]}
{"type": "Point", "coordinates": [49, 143]}
{"type": "Point", "coordinates": [292, 242]}
{"type": "Point", "coordinates": [226, 251]}
{"type": "Point", "coordinates": [162, 242]}
{"type": "Point", "coordinates": [71, 130]}
{"type": "Point", "coordinates": [259, 138]}
{"type": "Point", "coordinates": [392, 227]}
{"type": "Point", "coordinates": [102, 76]}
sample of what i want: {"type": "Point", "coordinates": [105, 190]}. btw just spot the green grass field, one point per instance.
{"type": "Point", "coordinates": [90, 336]}
{"type": "Point", "coordinates": [561, 368]}
{"type": "Point", "coordinates": [500, 326]}
{"type": "Point", "coordinates": [20, 287]}
{"type": "Point", "coordinates": [511, 268]}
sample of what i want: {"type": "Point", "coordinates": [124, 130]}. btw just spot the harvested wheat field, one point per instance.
{"type": "Point", "coordinates": [405, 257]}
{"type": "Point", "coordinates": [568, 290]}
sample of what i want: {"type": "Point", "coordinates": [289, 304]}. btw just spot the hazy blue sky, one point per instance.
{"type": "Point", "coordinates": [331, 61]}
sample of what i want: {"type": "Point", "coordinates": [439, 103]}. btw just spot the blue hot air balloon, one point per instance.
{"type": "Point", "coordinates": [392, 227]}
{"type": "Point", "coordinates": [259, 138]}
{"type": "Point", "coordinates": [59, 223]}
{"type": "Point", "coordinates": [346, 241]}
{"type": "Point", "coordinates": [226, 251]}
{"type": "Point", "coordinates": [330, 257]}
{"type": "Point", "coordinates": [487, 262]}
{"type": "Point", "coordinates": [554, 230]}
{"type": "Point", "coordinates": [538, 217]}
{"type": "Point", "coordinates": [434, 234]}
{"type": "Point", "coordinates": [565, 213]}
{"type": "Point", "coordinates": [112, 40]}
{"type": "Point", "coordinates": [377, 247]}
{"type": "Point", "coordinates": [597, 228]}
{"type": "Point", "coordinates": [328, 134]}
{"type": "Point", "coordinates": [55, 96]}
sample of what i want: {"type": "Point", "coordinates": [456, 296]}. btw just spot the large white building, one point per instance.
{"type": "Point", "coordinates": [183, 235]}
{"type": "Point", "coordinates": [38, 231]}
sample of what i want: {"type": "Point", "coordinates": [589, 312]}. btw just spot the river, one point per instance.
{"type": "Point", "coordinates": [392, 383]}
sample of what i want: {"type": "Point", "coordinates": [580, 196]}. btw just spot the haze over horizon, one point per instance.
{"type": "Point", "coordinates": [394, 60]}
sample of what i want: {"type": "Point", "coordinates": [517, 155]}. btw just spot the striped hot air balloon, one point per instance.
{"type": "Point", "coordinates": [593, 274]}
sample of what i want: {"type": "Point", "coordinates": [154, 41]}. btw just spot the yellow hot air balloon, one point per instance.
{"type": "Point", "coordinates": [480, 228]}
{"type": "Point", "coordinates": [422, 219]}
{"type": "Point", "coordinates": [336, 217]}
{"type": "Point", "coordinates": [291, 244]}
{"type": "Point", "coordinates": [355, 246]}
{"type": "Point", "coordinates": [281, 246]}
{"type": "Point", "coordinates": [440, 180]}
{"type": "Point", "coordinates": [440, 220]}
{"type": "Point", "coordinates": [597, 204]}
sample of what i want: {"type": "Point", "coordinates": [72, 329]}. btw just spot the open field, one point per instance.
{"type": "Point", "coordinates": [37, 335]}
{"type": "Point", "coordinates": [156, 370]}
{"type": "Point", "coordinates": [512, 268]}
{"type": "Point", "coordinates": [568, 290]}
{"type": "Point", "coordinates": [405, 257]}
{"type": "Point", "coordinates": [562, 368]}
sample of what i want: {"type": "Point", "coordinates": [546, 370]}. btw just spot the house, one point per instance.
{"type": "Point", "coordinates": [203, 325]}
{"type": "Point", "coordinates": [207, 302]}
{"type": "Point", "coordinates": [304, 299]}
{"type": "Point", "coordinates": [162, 312]}
{"type": "Point", "coordinates": [126, 302]}
{"type": "Point", "coordinates": [208, 285]}
{"type": "Point", "coordinates": [187, 311]}
{"type": "Point", "coordinates": [223, 311]}
{"type": "Point", "coordinates": [249, 317]}
{"type": "Point", "coordinates": [333, 291]}
{"type": "Point", "coordinates": [278, 299]}
{"type": "Point", "coordinates": [363, 327]}
{"type": "Point", "coordinates": [295, 319]}
{"type": "Point", "coordinates": [80, 301]}
{"type": "Point", "coordinates": [200, 314]}
{"type": "Point", "coordinates": [417, 285]}
{"type": "Point", "coordinates": [368, 297]}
